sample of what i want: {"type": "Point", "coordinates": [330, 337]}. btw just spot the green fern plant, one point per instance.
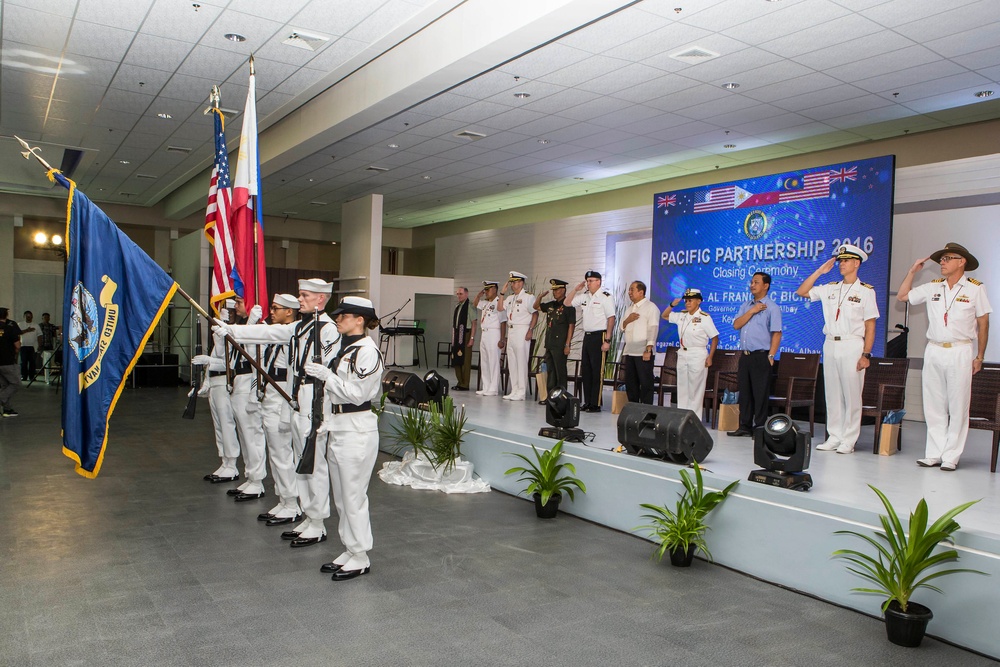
{"type": "Point", "coordinates": [902, 558]}
{"type": "Point", "coordinates": [678, 528]}
{"type": "Point", "coordinates": [412, 431]}
{"type": "Point", "coordinates": [544, 474]}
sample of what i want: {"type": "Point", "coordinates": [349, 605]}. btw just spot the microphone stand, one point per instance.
{"type": "Point", "coordinates": [388, 337]}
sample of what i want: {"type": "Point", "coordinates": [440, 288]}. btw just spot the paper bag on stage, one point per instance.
{"type": "Point", "coordinates": [542, 383]}
{"type": "Point", "coordinates": [888, 440]}
{"type": "Point", "coordinates": [729, 417]}
{"type": "Point", "coordinates": [618, 401]}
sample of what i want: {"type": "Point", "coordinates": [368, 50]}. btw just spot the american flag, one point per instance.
{"type": "Point", "coordinates": [844, 175]}
{"type": "Point", "coordinates": [719, 199]}
{"type": "Point", "coordinates": [217, 219]}
{"type": "Point", "coordinates": [815, 186]}
{"type": "Point", "coordinates": [665, 201]}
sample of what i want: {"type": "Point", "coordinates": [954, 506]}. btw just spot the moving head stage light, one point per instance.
{"type": "Point", "coordinates": [562, 412]}
{"type": "Point", "coordinates": [783, 451]}
{"type": "Point", "coordinates": [666, 433]}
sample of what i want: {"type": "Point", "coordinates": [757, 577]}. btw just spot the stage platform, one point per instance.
{"type": "Point", "coordinates": [786, 537]}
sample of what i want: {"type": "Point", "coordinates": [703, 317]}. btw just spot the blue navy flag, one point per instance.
{"type": "Point", "coordinates": [113, 298]}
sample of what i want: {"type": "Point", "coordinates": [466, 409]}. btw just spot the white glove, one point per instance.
{"type": "Point", "coordinates": [221, 329]}
{"type": "Point", "coordinates": [255, 314]}
{"type": "Point", "coordinates": [318, 371]}
{"type": "Point", "coordinates": [201, 360]}
{"type": "Point", "coordinates": [203, 389]}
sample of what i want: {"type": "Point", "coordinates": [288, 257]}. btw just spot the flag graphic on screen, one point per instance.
{"type": "Point", "coordinates": [217, 217]}
{"type": "Point", "coordinates": [843, 175]}
{"type": "Point", "coordinates": [814, 186]}
{"type": "Point", "coordinates": [112, 299]}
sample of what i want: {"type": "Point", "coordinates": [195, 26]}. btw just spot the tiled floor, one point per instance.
{"type": "Point", "coordinates": [150, 565]}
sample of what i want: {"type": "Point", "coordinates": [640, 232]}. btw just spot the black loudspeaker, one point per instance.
{"type": "Point", "coordinates": [404, 388]}
{"type": "Point", "coordinates": [667, 433]}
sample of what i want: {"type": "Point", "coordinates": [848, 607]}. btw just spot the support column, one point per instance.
{"type": "Point", "coordinates": [7, 264]}
{"type": "Point", "coordinates": [361, 249]}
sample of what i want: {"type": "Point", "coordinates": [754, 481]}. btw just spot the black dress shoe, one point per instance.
{"type": "Point", "coordinates": [282, 520]}
{"type": "Point", "coordinates": [593, 408]}
{"type": "Point", "coordinates": [330, 568]}
{"type": "Point", "coordinates": [542, 402]}
{"type": "Point", "coordinates": [740, 433]}
{"type": "Point", "coordinates": [221, 480]}
{"type": "Point", "coordinates": [290, 535]}
{"type": "Point", "coordinates": [307, 541]}
{"type": "Point", "coordinates": [344, 575]}
{"type": "Point", "coordinates": [458, 388]}
{"type": "Point", "coordinates": [243, 497]}
{"type": "Point", "coordinates": [266, 516]}
{"type": "Point", "coordinates": [209, 477]}
{"type": "Point", "coordinates": [234, 492]}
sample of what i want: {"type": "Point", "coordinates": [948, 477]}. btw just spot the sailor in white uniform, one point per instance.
{"type": "Point", "coordinates": [849, 314]}
{"type": "Point", "coordinates": [246, 412]}
{"type": "Point", "coordinates": [521, 319]}
{"type": "Point", "coordinates": [352, 382]}
{"type": "Point", "coordinates": [223, 422]}
{"type": "Point", "coordinates": [493, 339]}
{"type": "Point", "coordinates": [698, 339]}
{"type": "Point", "coordinates": [958, 328]}
{"type": "Point", "coordinates": [313, 489]}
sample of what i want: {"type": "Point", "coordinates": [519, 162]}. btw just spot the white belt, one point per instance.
{"type": "Point", "coordinates": [954, 343]}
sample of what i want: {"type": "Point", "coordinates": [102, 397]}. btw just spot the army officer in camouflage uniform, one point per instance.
{"type": "Point", "coordinates": [561, 320]}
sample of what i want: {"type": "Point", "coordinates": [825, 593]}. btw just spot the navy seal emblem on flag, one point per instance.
{"type": "Point", "coordinates": [83, 322]}
{"type": "Point", "coordinates": [755, 225]}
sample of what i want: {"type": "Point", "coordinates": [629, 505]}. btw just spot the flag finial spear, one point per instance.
{"type": "Point", "coordinates": [251, 64]}
{"type": "Point", "coordinates": [29, 152]}
{"type": "Point", "coordinates": [215, 99]}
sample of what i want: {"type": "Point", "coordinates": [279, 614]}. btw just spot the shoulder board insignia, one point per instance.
{"type": "Point", "coordinates": [975, 282]}
{"type": "Point", "coordinates": [938, 280]}
{"type": "Point", "coordinates": [702, 312]}
{"type": "Point", "coordinates": [864, 284]}
{"type": "Point", "coordinates": [605, 292]}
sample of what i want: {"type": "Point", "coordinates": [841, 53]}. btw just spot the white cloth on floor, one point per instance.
{"type": "Point", "coordinates": [417, 472]}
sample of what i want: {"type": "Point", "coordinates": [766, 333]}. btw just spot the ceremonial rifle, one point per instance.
{"type": "Point", "coordinates": [308, 460]}
{"type": "Point", "coordinates": [196, 374]}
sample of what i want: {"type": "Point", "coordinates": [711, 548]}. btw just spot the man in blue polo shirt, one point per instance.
{"type": "Point", "coordinates": [759, 324]}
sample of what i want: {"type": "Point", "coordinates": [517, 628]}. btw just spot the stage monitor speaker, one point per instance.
{"type": "Point", "coordinates": [404, 388]}
{"type": "Point", "coordinates": [667, 433]}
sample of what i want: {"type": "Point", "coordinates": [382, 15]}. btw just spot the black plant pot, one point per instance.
{"type": "Point", "coordinates": [681, 557]}
{"type": "Point", "coordinates": [549, 509]}
{"type": "Point", "coordinates": [906, 628]}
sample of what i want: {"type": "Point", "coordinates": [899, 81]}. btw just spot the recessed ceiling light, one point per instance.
{"type": "Point", "coordinates": [235, 37]}
{"type": "Point", "coordinates": [729, 146]}
{"type": "Point", "coordinates": [984, 93]}
{"type": "Point", "coordinates": [311, 180]}
{"type": "Point", "coordinates": [393, 145]}
{"type": "Point", "coordinates": [124, 161]}
{"type": "Point", "coordinates": [543, 141]}
{"type": "Point", "coordinates": [730, 85]}
{"type": "Point", "coordinates": [426, 178]}
{"type": "Point", "coordinates": [164, 116]}
{"type": "Point", "coordinates": [522, 96]}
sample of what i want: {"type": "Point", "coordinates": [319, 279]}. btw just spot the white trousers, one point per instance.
{"type": "Point", "coordinates": [691, 378]}
{"type": "Point", "coordinates": [278, 434]}
{"type": "Point", "coordinates": [351, 456]}
{"type": "Point", "coordinates": [314, 489]}
{"type": "Point", "coordinates": [489, 361]}
{"type": "Point", "coordinates": [947, 387]}
{"type": "Point", "coordinates": [844, 385]}
{"type": "Point", "coordinates": [518, 351]}
{"type": "Point", "coordinates": [248, 423]}
{"type": "Point", "coordinates": [222, 418]}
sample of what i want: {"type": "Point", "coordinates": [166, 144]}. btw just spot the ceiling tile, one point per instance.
{"type": "Point", "coordinates": [171, 19]}
{"type": "Point", "coordinates": [693, 96]}
{"type": "Point", "coordinates": [282, 12]}
{"type": "Point", "coordinates": [785, 20]}
{"type": "Point", "coordinates": [816, 98]}
{"type": "Point", "coordinates": [718, 16]}
{"type": "Point", "coordinates": [797, 86]}
{"type": "Point", "coordinates": [624, 76]}
{"type": "Point", "coordinates": [154, 52]}
{"type": "Point", "coordinates": [883, 63]}
{"type": "Point", "coordinates": [21, 25]}
{"type": "Point", "coordinates": [258, 32]}
{"type": "Point", "coordinates": [544, 60]}
{"type": "Point", "coordinates": [831, 33]}
{"type": "Point", "coordinates": [619, 28]}
{"type": "Point", "coordinates": [911, 76]}
{"type": "Point", "coordinates": [98, 41]}
{"type": "Point", "coordinates": [215, 64]}
{"type": "Point", "coordinates": [193, 89]}
{"type": "Point", "coordinates": [968, 41]}
{"type": "Point", "coordinates": [139, 79]}
{"type": "Point", "coordinates": [585, 70]}
{"type": "Point", "coordinates": [954, 17]}
{"type": "Point", "coordinates": [976, 60]}
{"type": "Point", "coordinates": [730, 67]}
{"type": "Point", "coordinates": [123, 100]}
{"type": "Point", "coordinates": [846, 107]}
{"type": "Point", "coordinates": [657, 88]}
{"type": "Point", "coordinates": [509, 120]}
{"type": "Point", "coordinates": [389, 17]}
{"type": "Point", "coordinates": [317, 15]}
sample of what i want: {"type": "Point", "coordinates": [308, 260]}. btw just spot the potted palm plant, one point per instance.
{"type": "Point", "coordinates": [413, 431]}
{"type": "Point", "coordinates": [899, 567]}
{"type": "Point", "coordinates": [447, 431]}
{"type": "Point", "coordinates": [546, 483]}
{"type": "Point", "coordinates": [680, 531]}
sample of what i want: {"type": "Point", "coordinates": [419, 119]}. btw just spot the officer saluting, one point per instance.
{"type": "Point", "coordinates": [521, 319]}
{"type": "Point", "coordinates": [849, 314]}
{"type": "Point", "coordinates": [598, 322]}
{"type": "Point", "coordinates": [696, 331]}
{"type": "Point", "coordinates": [561, 321]}
{"type": "Point", "coordinates": [957, 312]}
{"type": "Point", "coordinates": [493, 325]}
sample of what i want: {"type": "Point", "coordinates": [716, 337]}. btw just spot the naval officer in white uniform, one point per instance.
{"type": "Point", "coordinates": [521, 318]}
{"type": "Point", "coordinates": [958, 328]}
{"type": "Point", "coordinates": [493, 339]}
{"type": "Point", "coordinates": [849, 314]}
{"type": "Point", "coordinates": [698, 338]}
